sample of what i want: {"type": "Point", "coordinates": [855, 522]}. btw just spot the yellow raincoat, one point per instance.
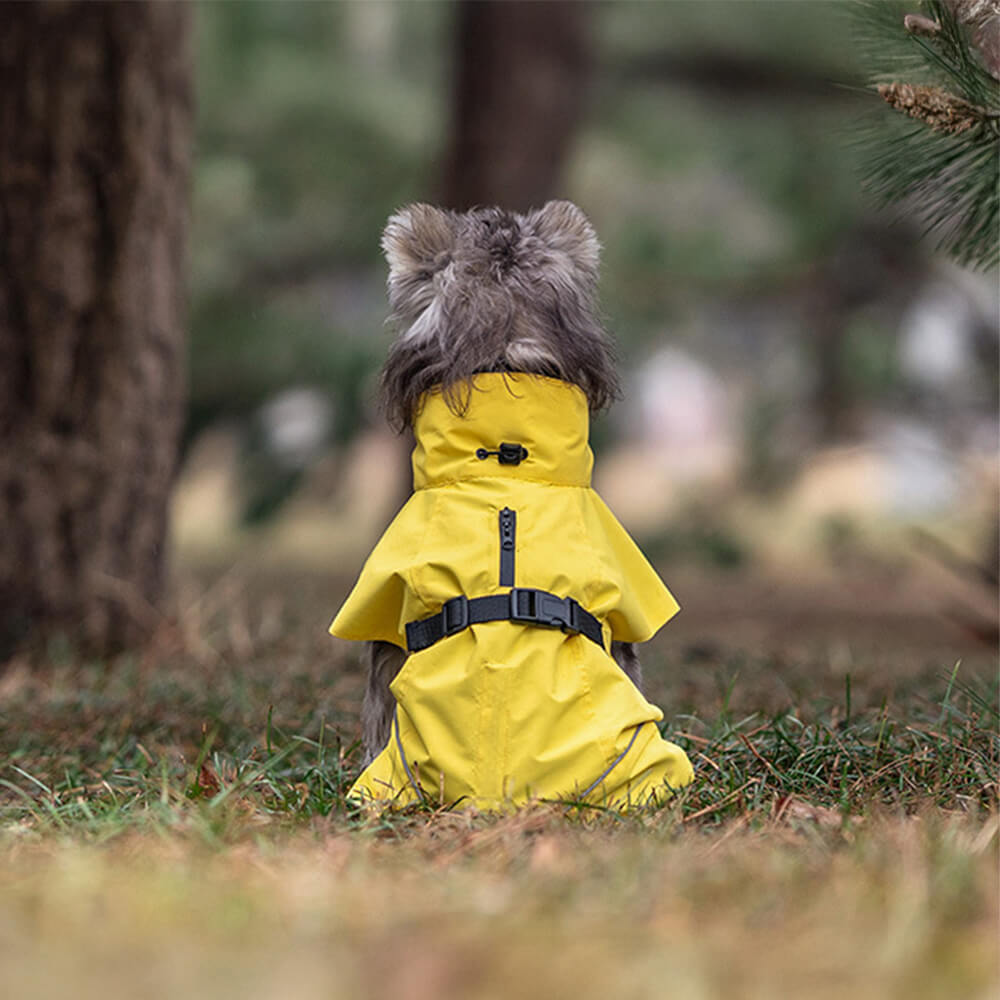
{"type": "Point", "coordinates": [500, 712]}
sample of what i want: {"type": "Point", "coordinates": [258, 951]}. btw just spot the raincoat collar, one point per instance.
{"type": "Point", "coordinates": [546, 416]}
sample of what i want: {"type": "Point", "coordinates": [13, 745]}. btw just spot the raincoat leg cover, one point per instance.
{"type": "Point", "coordinates": [501, 712]}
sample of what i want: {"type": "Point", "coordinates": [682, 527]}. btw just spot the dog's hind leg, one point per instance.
{"type": "Point", "coordinates": [628, 659]}
{"type": "Point", "coordinates": [383, 661]}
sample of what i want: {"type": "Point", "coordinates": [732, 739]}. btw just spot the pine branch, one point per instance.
{"type": "Point", "coordinates": [941, 163]}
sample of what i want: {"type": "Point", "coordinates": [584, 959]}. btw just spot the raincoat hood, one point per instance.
{"type": "Point", "coordinates": [502, 712]}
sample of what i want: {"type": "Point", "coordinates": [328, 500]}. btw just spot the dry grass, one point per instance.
{"type": "Point", "coordinates": [176, 826]}
{"type": "Point", "coordinates": [524, 907]}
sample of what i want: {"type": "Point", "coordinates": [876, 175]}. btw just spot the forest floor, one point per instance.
{"type": "Point", "coordinates": [175, 825]}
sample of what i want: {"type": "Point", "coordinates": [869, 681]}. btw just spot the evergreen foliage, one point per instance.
{"type": "Point", "coordinates": [935, 150]}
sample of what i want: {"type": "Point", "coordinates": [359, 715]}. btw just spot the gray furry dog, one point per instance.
{"type": "Point", "coordinates": [485, 291]}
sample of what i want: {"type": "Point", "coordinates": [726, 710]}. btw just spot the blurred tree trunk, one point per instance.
{"type": "Point", "coordinates": [95, 138]}
{"type": "Point", "coordinates": [520, 77]}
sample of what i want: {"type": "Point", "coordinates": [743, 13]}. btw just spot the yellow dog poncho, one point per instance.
{"type": "Point", "coordinates": [496, 713]}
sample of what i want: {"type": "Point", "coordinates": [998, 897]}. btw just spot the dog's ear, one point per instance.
{"type": "Point", "coordinates": [418, 241]}
{"type": "Point", "coordinates": [565, 229]}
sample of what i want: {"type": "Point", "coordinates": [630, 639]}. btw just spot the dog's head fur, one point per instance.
{"type": "Point", "coordinates": [490, 290]}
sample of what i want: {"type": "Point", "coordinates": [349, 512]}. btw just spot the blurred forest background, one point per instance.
{"type": "Point", "coordinates": [806, 381]}
{"type": "Point", "coordinates": [811, 390]}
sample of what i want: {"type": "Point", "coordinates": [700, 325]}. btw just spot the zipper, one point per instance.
{"type": "Point", "coordinates": [508, 529]}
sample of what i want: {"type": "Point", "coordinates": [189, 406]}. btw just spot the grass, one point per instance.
{"type": "Point", "coordinates": [177, 824]}
{"type": "Point", "coordinates": [747, 768]}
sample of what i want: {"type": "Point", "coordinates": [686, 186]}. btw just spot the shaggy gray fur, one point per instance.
{"type": "Point", "coordinates": [491, 290]}
{"type": "Point", "coordinates": [383, 661]}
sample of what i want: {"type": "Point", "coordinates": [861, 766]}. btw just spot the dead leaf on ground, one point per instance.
{"type": "Point", "coordinates": [208, 780]}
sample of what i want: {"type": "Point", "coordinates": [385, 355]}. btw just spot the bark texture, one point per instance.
{"type": "Point", "coordinates": [521, 68]}
{"type": "Point", "coordinates": [95, 139]}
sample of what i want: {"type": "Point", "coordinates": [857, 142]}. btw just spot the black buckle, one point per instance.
{"type": "Point", "coordinates": [536, 607]}
{"type": "Point", "coordinates": [455, 615]}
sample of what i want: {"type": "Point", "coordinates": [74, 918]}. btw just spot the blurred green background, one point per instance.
{"type": "Point", "coordinates": [801, 369]}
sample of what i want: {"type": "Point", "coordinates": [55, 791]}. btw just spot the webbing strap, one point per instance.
{"type": "Point", "coordinates": [524, 605]}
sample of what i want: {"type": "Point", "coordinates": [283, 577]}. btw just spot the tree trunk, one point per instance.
{"type": "Point", "coordinates": [520, 79]}
{"type": "Point", "coordinates": [95, 139]}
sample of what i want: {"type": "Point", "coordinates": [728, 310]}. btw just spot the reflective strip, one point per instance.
{"type": "Point", "coordinates": [614, 763]}
{"type": "Point", "coordinates": [402, 756]}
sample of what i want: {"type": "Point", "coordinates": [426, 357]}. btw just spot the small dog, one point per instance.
{"type": "Point", "coordinates": [486, 291]}
{"type": "Point", "coordinates": [516, 593]}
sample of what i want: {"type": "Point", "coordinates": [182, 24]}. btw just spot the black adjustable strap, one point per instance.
{"type": "Point", "coordinates": [523, 605]}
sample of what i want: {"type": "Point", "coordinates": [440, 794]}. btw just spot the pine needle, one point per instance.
{"type": "Point", "coordinates": [942, 165]}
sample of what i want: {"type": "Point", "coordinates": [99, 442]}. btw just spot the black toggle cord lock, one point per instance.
{"type": "Point", "coordinates": [507, 454]}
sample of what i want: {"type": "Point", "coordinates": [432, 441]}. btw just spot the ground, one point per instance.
{"type": "Point", "coordinates": [175, 824]}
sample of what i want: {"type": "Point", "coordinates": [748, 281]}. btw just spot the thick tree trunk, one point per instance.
{"type": "Point", "coordinates": [520, 81]}
{"type": "Point", "coordinates": [95, 138]}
